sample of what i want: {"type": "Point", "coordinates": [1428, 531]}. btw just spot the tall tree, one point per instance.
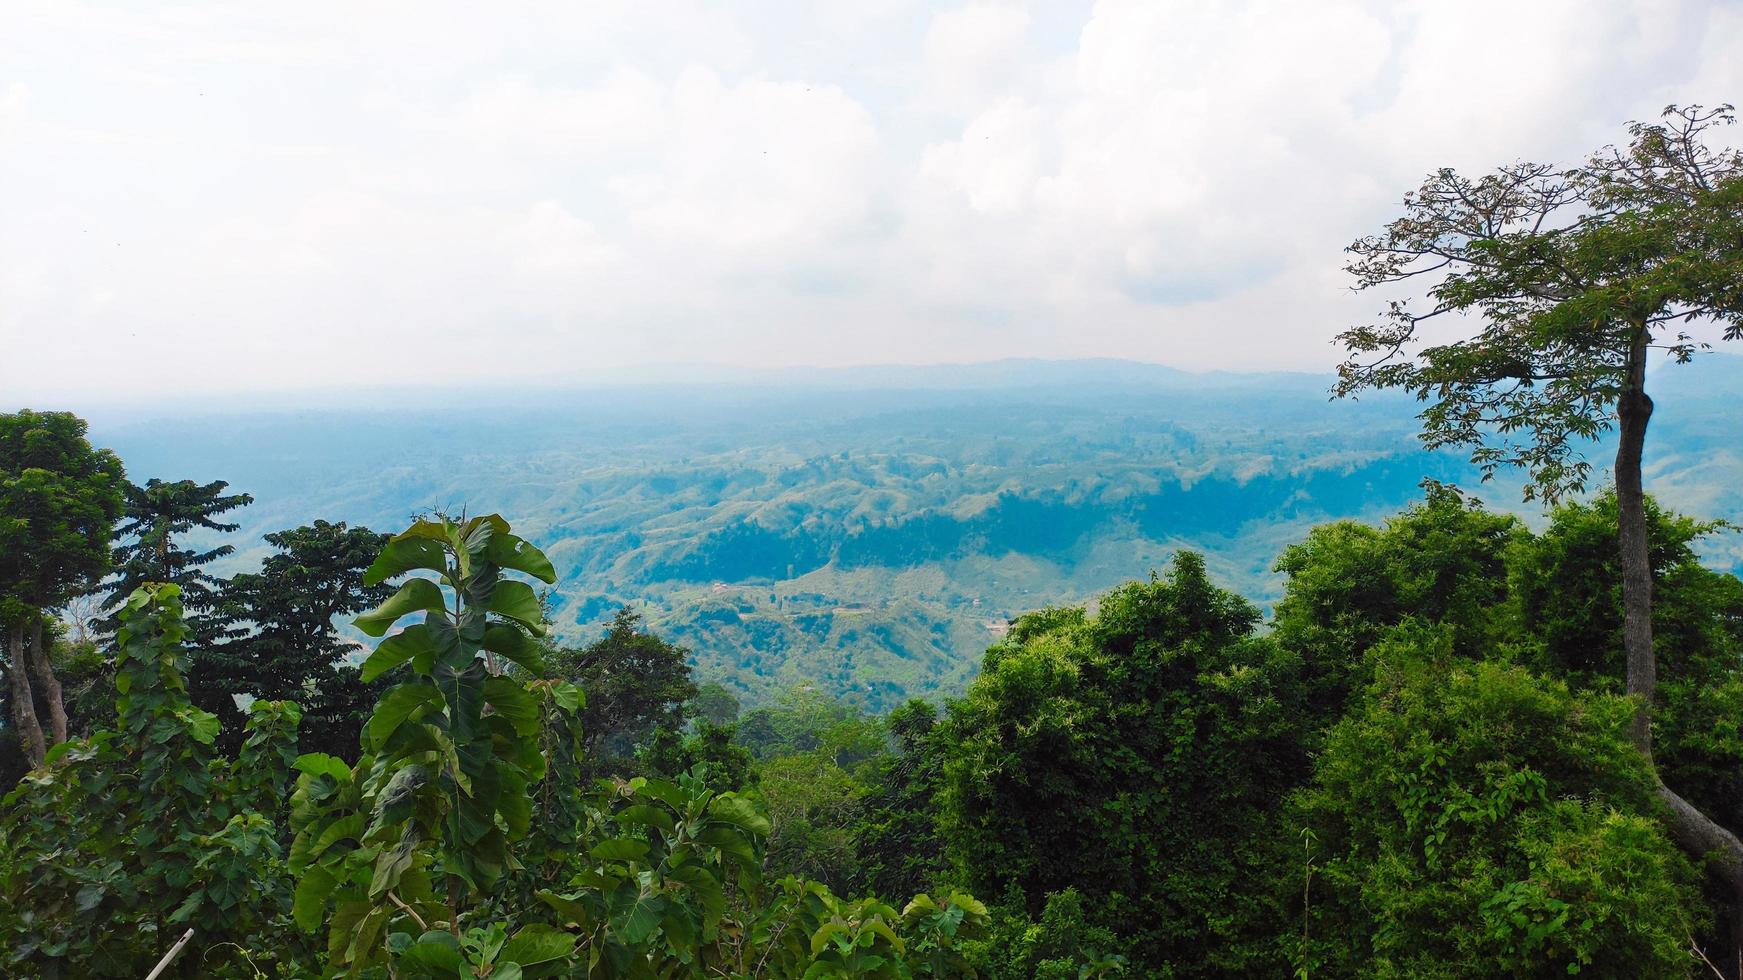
{"type": "Point", "coordinates": [59, 499]}
{"type": "Point", "coordinates": [636, 684]}
{"type": "Point", "coordinates": [900, 850]}
{"type": "Point", "coordinates": [1140, 757]}
{"type": "Point", "coordinates": [290, 648]}
{"type": "Point", "coordinates": [1571, 277]}
{"type": "Point", "coordinates": [716, 704]}
{"type": "Point", "coordinates": [158, 514]}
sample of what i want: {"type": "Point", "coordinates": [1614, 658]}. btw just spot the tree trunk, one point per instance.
{"type": "Point", "coordinates": [1633, 412]}
{"type": "Point", "coordinates": [50, 685]}
{"type": "Point", "coordinates": [23, 699]}
{"type": "Point", "coordinates": [1693, 830]}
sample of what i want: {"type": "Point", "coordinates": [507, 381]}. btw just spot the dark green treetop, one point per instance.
{"type": "Point", "coordinates": [157, 515]}
{"type": "Point", "coordinates": [291, 647]}
{"type": "Point", "coordinates": [59, 499]}
{"type": "Point", "coordinates": [898, 839]}
{"type": "Point", "coordinates": [636, 684]}
{"type": "Point", "coordinates": [1133, 755]}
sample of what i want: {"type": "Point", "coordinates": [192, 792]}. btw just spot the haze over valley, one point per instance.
{"type": "Point", "coordinates": [871, 531]}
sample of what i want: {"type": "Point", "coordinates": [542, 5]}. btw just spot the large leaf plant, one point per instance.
{"type": "Point", "coordinates": [400, 846]}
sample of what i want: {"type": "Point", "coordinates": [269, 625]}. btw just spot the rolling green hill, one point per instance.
{"type": "Point", "coordinates": [871, 531]}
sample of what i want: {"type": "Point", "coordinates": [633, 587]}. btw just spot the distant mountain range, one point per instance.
{"type": "Point", "coordinates": [871, 529]}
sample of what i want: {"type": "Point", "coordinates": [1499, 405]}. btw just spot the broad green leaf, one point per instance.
{"type": "Point", "coordinates": [343, 926]}
{"type": "Point", "coordinates": [417, 594]}
{"type": "Point", "coordinates": [428, 529]}
{"type": "Point", "coordinates": [518, 602]}
{"type": "Point", "coordinates": [293, 712]}
{"type": "Point", "coordinates": [517, 812]}
{"type": "Point", "coordinates": [368, 930]}
{"type": "Point", "coordinates": [479, 530]}
{"type": "Point", "coordinates": [571, 910]}
{"type": "Point", "coordinates": [647, 816]}
{"type": "Point", "coordinates": [202, 725]}
{"type": "Point", "coordinates": [524, 753]}
{"type": "Point", "coordinates": [730, 842]}
{"type": "Point", "coordinates": [509, 551]}
{"type": "Point", "coordinates": [619, 849]}
{"type": "Point", "coordinates": [399, 800]}
{"type": "Point", "coordinates": [642, 918]}
{"type": "Point", "coordinates": [510, 700]}
{"type": "Point", "coordinates": [309, 903]}
{"type": "Point", "coordinates": [189, 906]}
{"type": "Point", "coordinates": [403, 554]}
{"type": "Point", "coordinates": [391, 864]}
{"type": "Point", "coordinates": [322, 764]}
{"type": "Point", "coordinates": [708, 891]}
{"type": "Point", "coordinates": [399, 648]}
{"type": "Point", "coordinates": [668, 793]}
{"type": "Point", "coordinates": [679, 925]}
{"type": "Point", "coordinates": [537, 944]}
{"type": "Point", "coordinates": [878, 926]}
{"type": "Point", "coordinates": [968, 903]}
{"type": "Point", "coordinates": [820, 938]}
{"type": "Point", "coordinates": [348, 826]}
{"type": "Point", "coordinates": [395, 706]}
{"type": "Point", "coordinates": [475, 813]}
{"type": "Point", "coordinates": [438, 952]}
{"type": "Point", "coordinates": [511, 643]}
{"type": "Point", "coordinates": [740, 812]}
{"type": "Point", "coordinates": [568, 696]}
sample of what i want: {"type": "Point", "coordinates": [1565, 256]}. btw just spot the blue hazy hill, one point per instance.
{"type": "Point", "coordinates": [871, 529]}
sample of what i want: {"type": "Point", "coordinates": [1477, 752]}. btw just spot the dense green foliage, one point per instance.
{"type": "Point", "coordinates": [1405, 777]}
{"type": "Point", "coordinates": [426, 818]}
{"type": "Point", "coordinates": [126, 838]}
{"type": "Point", "coordinates": [58, 498]}
{"type": "Point", "coordinates": [1138, 756]}
{"type": "Point", "coordinates": [898, 838]}
{"type": "Point", "coordinates": [1509, 830]}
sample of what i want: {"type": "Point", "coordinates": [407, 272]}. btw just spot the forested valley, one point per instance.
{"type": "Point", "coordinates": [1459, 743]}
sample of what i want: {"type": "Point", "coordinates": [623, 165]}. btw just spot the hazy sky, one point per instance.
{"type": "Point", "coordinates": [214, 196]}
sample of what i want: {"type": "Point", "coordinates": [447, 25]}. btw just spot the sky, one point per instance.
{"type": "Point", "coordinates": [206, 198]}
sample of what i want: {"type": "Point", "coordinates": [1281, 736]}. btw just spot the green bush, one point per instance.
{"type": "Point", "coordinates": [1476, 819]}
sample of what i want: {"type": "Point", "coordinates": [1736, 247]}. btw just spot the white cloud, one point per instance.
{"type": "Point", "coordinates": [757, 167]}
{"type": "Point", "coordinates": [513, 113]}
{"type": "Point", "coordinates": [206, 195]}
{"type": "Point", "coordinates": [14, 112]}
{"type": "Point", "coordinates": [972, 55]}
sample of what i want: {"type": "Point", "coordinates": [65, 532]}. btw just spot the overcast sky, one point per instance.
{"type": "Point", "coordinates": [203, 197]}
